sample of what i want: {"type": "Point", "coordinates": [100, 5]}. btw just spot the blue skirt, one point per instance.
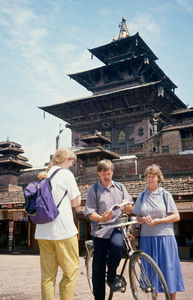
{"type": "Point", "coordinates": [164, 250]}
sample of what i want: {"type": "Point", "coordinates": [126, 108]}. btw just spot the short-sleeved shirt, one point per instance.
{"type": "Point", "coordinates": [106, 198]}
{"type": "Point", "coordinates": [153, 205]}
{"type": "Point", "coordinates": [63, 226]}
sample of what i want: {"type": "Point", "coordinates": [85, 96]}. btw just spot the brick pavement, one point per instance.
{"type": "Point", "coordinates": [20, 280]}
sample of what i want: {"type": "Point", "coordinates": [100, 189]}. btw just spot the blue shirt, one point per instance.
{"type": "Point", "coordinates": [106, 198]}
{"type": "Point", "coordinates": [153, 205]}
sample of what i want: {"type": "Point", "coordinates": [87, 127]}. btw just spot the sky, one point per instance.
{"type": "Point", "coordinates": [42, 41]}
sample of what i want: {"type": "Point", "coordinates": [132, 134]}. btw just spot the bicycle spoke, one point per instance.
{"type": "Point", "coordinates": [88, 262]}
{"type": "Point", "coordinates": [146, 278]}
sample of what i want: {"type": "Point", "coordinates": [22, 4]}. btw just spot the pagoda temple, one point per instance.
{"type": "Point", "coordinates": [14, 225]}
{"type": "Point", "coordinates": [133, 105]}
{"type": "Point", "coordinates": [91, 152]}
{"type": "Point", "coordinates": [132, 97]}
{"type": "Point", "coordinates": [11, 164]}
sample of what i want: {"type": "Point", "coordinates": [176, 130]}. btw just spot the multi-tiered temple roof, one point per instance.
{"type": "Point", "coordinates": [127, 92]}
{"type": "Point", "coordinates": [11, 160]}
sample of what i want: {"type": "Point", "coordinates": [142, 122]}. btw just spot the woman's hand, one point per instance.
{"type": "Point", "coordinates": [148, 220]}
{"type": "Point", "coordinates": [128, 208]}
{"type": "Point", "coordinates": [173, 217]}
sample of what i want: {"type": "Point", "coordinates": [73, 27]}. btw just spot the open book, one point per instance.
{"type": "Point", "coordinates": [117, 206]}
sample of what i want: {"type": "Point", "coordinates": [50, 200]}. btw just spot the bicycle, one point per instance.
{"type": "Point", "coordinates": [144, 274]}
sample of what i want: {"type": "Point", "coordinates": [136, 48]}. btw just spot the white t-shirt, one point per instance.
{"type": "Point", "coordinates": [63, 226]}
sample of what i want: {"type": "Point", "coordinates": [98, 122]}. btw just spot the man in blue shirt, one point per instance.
{"type": "Point", "coordinates": [108, 242]}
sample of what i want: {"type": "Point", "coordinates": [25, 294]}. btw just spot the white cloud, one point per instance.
{"type": "Point", "coordinates": [64, 49]}
{"type": "Point", "coordinates": [144, 23]}
{"type": "Point", "coordinates": [187, 4]}
{"type": "Point", "coordinates": [83, 62]}
{"type": "Point", "coordinates": [106, 12]}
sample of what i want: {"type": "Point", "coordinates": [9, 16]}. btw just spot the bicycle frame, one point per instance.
{"type": "Point", "coordinates": [140, 282]}
{"type": "Point", "coordinates": [127, 242]}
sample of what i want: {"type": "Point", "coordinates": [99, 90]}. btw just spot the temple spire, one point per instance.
{"type": "Point", "coordinates": [123, 33]}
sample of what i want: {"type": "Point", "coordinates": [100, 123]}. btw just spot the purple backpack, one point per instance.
{"type": "Point", "coordinates": [39, 203]}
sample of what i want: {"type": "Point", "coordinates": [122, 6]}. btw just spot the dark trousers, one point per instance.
{"type": "Point", "coordinates": [107, 252]}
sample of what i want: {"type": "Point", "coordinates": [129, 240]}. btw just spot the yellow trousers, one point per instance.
{"type": "Point", "coordinates": [63, 253]}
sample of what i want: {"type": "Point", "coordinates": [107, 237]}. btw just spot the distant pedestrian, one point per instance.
{"type": "Point", "coordinates": [156, 211]}
{"type": "Point", "coordinates": [57, 240]}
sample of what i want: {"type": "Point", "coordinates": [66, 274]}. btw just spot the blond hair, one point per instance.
{"type": "Point", "coordinates": [42, 175]}
{"type": "Point", "coordinates": [104, 165]}
{"type": "Point", "coordinates": [154, 170]}
{"type": "Point", "coordinates": [60, 156]}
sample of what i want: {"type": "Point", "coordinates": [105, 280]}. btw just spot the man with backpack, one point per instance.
{"type": "Point", "coordinates": [57, 239]}
{"type": "Point", "coordinates": [103, 203]}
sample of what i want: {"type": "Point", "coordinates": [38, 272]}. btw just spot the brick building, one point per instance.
{"type": "Point", "coordinates": [175, 138]}
{"type": "Point", "coordinates": [14, 225]}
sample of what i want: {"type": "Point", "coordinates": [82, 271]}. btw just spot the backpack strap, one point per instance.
{"type": "Point", "coordinates": [50, 178]}
{"type": "Point", "coordinates": [62, 199]}
{"type": "Point", "coordinates": [95, 186]}
{"type": "Point", "coordinates": [142, 196]}
{"type": "Point", "coordinates": [164, 198]}
{"type": "Point", "coordinates": [118, 184]}
{"type": "Point", "coordinates": [54, 173]}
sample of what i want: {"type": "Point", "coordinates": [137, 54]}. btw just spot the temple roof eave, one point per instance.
{"type": "Point", "coordinates": [9, 143]}
{"type": "Point", "coordinates": [177, 127]}
{"type": "Point", "coordinates": [96, 138]}
{"type": "Point", "coordinates": [13, 161]}
{"type": "Point", "coordinates": [10, 150]}
{"type": "Point", "coordinates": [84, 78]}
{"type": "Point", "coordinates": [183, 113]}
{"type": "Point", "coordinates": [61, 110]}
{"type": "Point", "coordinates": [99, 95]}
{"type": "Point", "coordinates": [100, 51]}
{"type": "Point", "coordinates": [89, 151]}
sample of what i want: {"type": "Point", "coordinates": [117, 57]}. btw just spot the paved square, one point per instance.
{"type": "Point", "coordinates": [20, 280]}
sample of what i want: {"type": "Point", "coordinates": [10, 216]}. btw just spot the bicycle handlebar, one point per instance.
{"type": "Point", "coordinates": [119, 225]}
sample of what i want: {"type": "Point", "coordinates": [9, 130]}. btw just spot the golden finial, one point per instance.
{"type": "Point", "coordinates": [123, 29]}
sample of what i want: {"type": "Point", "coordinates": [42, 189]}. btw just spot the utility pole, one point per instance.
{"type": "Point", "coordinates": [58, 137]}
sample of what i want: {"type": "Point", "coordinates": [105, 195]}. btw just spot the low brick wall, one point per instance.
{"type": "Point", "coordinates": [172, 164]}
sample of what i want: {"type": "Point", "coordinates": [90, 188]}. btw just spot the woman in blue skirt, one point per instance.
{"type": "Point", "coordinates": [156, 211]}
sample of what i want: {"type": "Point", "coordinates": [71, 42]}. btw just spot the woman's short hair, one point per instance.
{"type": "Point", "coordinates": [104, 165]}
{"type": "Point", "coordinates": [154, 170]}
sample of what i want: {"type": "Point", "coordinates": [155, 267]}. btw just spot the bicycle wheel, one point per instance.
{"type": "Point", "coordinates": [146, 278]}
{"type": "Point", "coordinates": [88, 264]}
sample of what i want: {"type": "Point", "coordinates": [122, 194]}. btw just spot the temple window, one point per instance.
{"type": "Point", "coordinates": [131, 142]}
{"type": "Point", "coordinates": [165, 149]}
{"type": "Point", "coordinates": [122, 136]}
{"type": "Point", "coordinates": [108, 134]}
{"type": "Point", "coordinates": [150, 132]}
{"type": "Point", "coordinates": [140, 131]}
{"type": "Point", "coordinates": [160, 91]}
{"type": "Point", "coordinates": [186, 134]}
{"type": "Point", "coordinates": [76, 141]}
